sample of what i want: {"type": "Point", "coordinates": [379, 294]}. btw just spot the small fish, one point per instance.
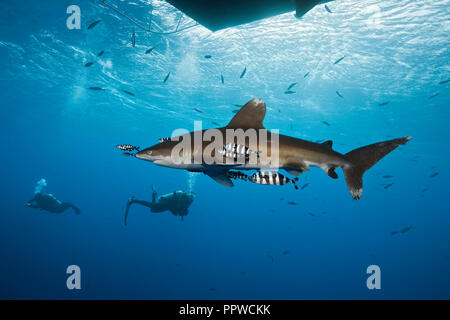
{"type": "Point", "coordinates": [128, 154]}
{"type": "Point", "coordinates": [96, 88]}
{"type": "Point", "coordinates": [328, 9]}
{"type": "Point", "coordinates": [233, 150]}
{"type": "Point", "coordinates": [325, 123]}
{"type": "Point", "coordinates": [222, 79]}
{"type": "Point", "coordinates": [311, 214]}
{"type": "Point", "coordinates": [93, 24]}
{"type": "Point", "coordinates": [243, 73]}
{"type": "Point", "coordinates": [161, 140]}
{"type": "Point", "coordinates": [387, 186]}
{"type": "Point", "coordinates": [291, 86]}
{"type": "Point", "coordinates": [444, 81]}
{"type": "Point", "coordinates": [127, 147]}
{"type": "Point", "coordinates": [208, 56]}
{"type": "Point", "coordinates": [166, 78]}
{"type": "Point", "coordinates": [433, 95]}
{"type": "Point", "coordinates": [198, 110]}
{"type": "Point", "coordinates": [133, 38]}
{"type": "Point", "coordinates": [235, 111]}
{"type": "Point", "coordinates": [406, 229]}
{"type": "Point", "coordinates": [281, 199]}
{"type": "Point", "coordinates": [237, 175]}
{"type": "Point", "coordinates": [339, 94]}
{"type": "Point", "coordinates": [293, 203]}
{"type": "Point", "coordinates": [305, 185]}
{"type": "Point", "coordinates": [88, 64]}
{"type": "Point", "coordinates": [286, 252]}
{"type": "Point", "coordinates": [388, 176]}
{"type": "Point", "coordinates": [394, 233]}
{"type": "Point", "coordinates": [434, 174]}
{"type": "Point", "coordinates": [128, 92]}
{"type": "Point", "coordinates": [383, 103]}
{"type": "Point", "coordinates": [289, 92]}
{"type": "Point", "coordinates": [100, 53]}
{"type": "Point", "coordinates": [306, 74]}
{"type": "Point", "coordinates": [339, 60]}
{"type": "Point", "coordinates": [272, 178]}
{"type": "Point", "coordinates": [149, 50]}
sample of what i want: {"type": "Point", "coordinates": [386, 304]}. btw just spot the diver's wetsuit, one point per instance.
{"type": "Point", "coordinates": [49, 203]}
{"type": "Point", "coordinates": [177, 203]}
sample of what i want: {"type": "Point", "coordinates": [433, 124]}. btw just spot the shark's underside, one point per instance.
{"type": "Point", "coordinates": [279, 152]}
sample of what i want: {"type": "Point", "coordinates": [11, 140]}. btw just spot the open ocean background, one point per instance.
{"type": "Point", "coordinates": [52, 126]}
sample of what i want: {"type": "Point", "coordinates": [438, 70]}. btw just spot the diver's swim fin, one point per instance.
{"type": "Point", "coordinates": [129, 202]}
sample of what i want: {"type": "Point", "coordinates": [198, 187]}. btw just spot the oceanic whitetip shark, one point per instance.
{"type": "Point", "coordinates": [292, 155]}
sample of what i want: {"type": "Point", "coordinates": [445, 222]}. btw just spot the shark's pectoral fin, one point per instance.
{"type": "Point", "coordinates": [294, 172]}
{"type": "Point", "coordinates": [220, 177]}
{"type": "Point", "coordinates": [249, 116]}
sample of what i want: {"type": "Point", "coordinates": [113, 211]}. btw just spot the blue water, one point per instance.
{"type": "Point", "coordinates": [53, 127]}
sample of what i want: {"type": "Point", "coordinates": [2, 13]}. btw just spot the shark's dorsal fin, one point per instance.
{"type": "Point", "coordinates": [249, 116]}
{"type": "Point", "coordinates": [220, 177]}
{"type": "Point", "coordinates": [328, 144]}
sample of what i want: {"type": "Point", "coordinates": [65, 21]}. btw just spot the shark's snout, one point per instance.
{"type": "Point", "coordinates": [145, 155]}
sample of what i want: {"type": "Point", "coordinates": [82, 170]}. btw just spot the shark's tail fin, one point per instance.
{"type": "Point", "coordinates": [362, 159]}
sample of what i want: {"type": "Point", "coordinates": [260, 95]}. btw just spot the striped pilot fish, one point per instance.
{"type": "Point", "coordinates": [127, 147]}
{"type": "Point", "coordinates": [272, 178]}
{"type": "Point", "coordinates": [237, 175]}
{"type": "Point", "coordinates": [161, 140]}
{"type": "Point", "coordinates": [233, 150]}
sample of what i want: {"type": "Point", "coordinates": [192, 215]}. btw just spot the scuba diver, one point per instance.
{"type": "Point", "coordinates": [47, 201]}
{"type": "Point", "coordinates": [176, 202]}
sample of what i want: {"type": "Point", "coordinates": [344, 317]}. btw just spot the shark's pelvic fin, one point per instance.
{"type": "Point", "coordinates": [296, 166]}
{"type": "Point", "coordinates": [294, 172]}
{"type": "Point", "coordinates": [220, 177]}
{"type": "Point", "coordinates": [249, 116]}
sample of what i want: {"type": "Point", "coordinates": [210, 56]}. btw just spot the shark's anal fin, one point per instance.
{"type": "Point", "coordinates": [249, 116]}
{"type": "Point", "coordinates": [332, 174]}
{"type": "Point", "coordinates": [220, 177]}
